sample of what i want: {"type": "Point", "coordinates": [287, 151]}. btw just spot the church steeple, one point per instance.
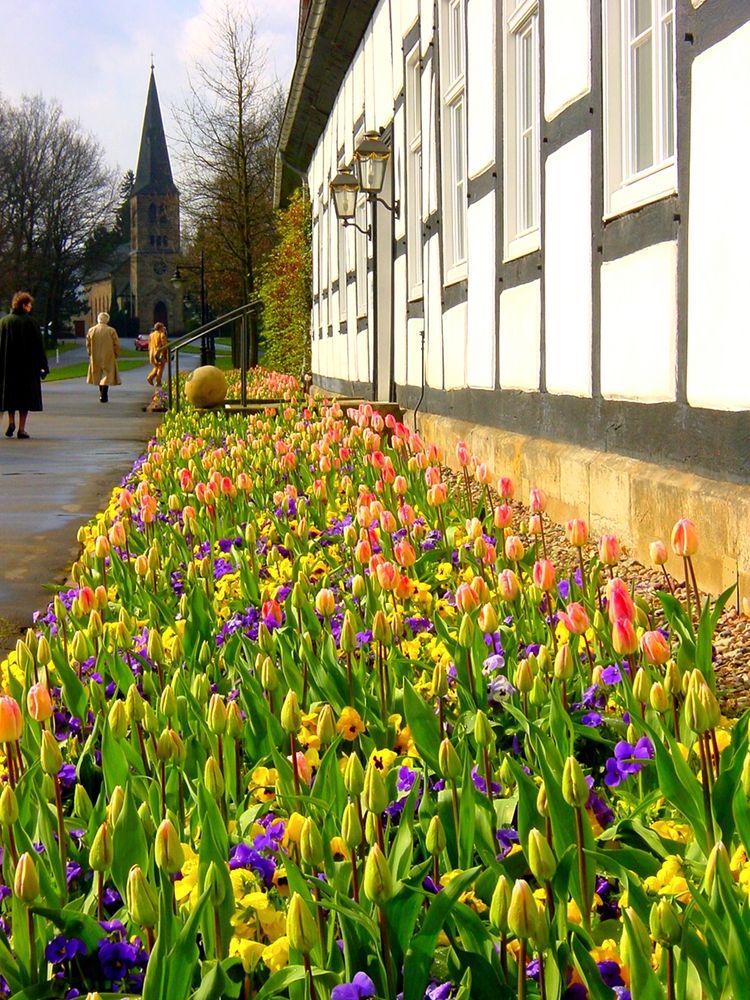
{"type": "Point", "coordinates": [154, 173]}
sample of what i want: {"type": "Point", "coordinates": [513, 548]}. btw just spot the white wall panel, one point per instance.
{"type": "Point", "coordinates": [358, 83]}
{"type": "Point", "coordinates": [399, 320]}
{"type": "Point", "coordinates": [719, 220]}
{"type": "Point", "coordinates": [433, 316]}
{"type": "Point", "coordinates": [406, 13]}
{"type": "Point", "coordinates": [639, 328]}
{"type": "Point", "coordinates": [414, 351]}
{"type": "Point", "coordinates": [567, 296]}
{"type": "Point", "coordinates": [383, 66]}
{"type": "Point", "coordinates": [520, 335]}
{"type": "Point", "coordinates": [480, 336]}
{"type": "Point", "coordinates": [454, 346]}
{"type": "Point", "coordinates": [481, 89]}
{"type": "Point", "coordinates": [567, 53]}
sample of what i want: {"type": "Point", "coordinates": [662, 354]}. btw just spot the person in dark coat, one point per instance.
{"type": "Point", "coordinates": [23, 363]}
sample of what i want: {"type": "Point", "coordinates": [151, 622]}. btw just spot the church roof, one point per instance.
{"type": "Point", "coordinates": [154, 173]}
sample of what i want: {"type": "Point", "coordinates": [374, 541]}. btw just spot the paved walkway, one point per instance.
{"type": "Point", "coordinates": [51, 484]}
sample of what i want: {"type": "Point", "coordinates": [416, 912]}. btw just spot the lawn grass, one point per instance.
{"type": "Point", "coordinates": [79, 370]}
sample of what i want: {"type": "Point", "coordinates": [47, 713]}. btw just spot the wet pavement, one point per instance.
{"type": "Point", "coordinates": [58, 479]}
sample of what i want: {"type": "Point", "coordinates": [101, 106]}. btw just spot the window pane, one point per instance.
{"type": "Point", "coordinates": [642, 106]}
{"type": "Point", "coordinates": [667, 95]}
{"type": "Point", "coordinates": [640, 16]}
{"type": "Point", "coordinates": [526, 220]}
{"type": "Point", "coordinates": [459, 176]}
{"type": "Point", "coordinates": [526, 80]}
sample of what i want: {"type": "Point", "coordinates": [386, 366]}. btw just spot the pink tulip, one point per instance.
{"type": "Point", "coordinates": [624, 639]}
{"type": "Point", "coordinates": [609, 550]}
{"type": "Point", "coordinates": [535, 524]}
{"type": "Point", "coordinates": [325, 602]}
{"type": "Point", "coordinates": [463, 454]}
{"type": "Point", "coordinates": [514, 548]}
{"type": "Point", "coordinates": [437, 495]}
{"type": "Point", "coordinates": [388, 521]}
{"type": "Point", "coordinates": [537, 501]}
{"type": "Point", "coordinates": [544, 574]}
{"type": "Point", "coordinates": [684, 538]}
{"type": "Point", "coordinates": [483, 474]}
{"type": "Point", "coordinates": [39, 702]}
{"type": "Point", "coordinates": [11, 720]}
{"type": "Point", "coordinates": [507, 585]}
{"type": "Point", "coordinates": [272, 610]}
{"type": "Point", "coordinates": [466, 598]}
{"type": "Point", "coordinates": [655, 647]}
{"type": "Point", "coordinates": [506, 488]}
{"type": "Point", "coordinates": [406, 515]}
{"type": "Point", "coordinates": [86, 598]}
{"type": "Point", "coordinates": [619, 602]}
{"type": "Point", "coordinates": [503, 517]}
{"type": "Point", "coordinates": [657, 551]}
{"type": "Point", "coordinates": [387, 575]}
{"type": "Point", "coordinates": [432, 475]}
{"type": "Point", "coordinates": [577, 532]}
{"type": "Point", "coordinates": [404, 553]}
{"type": "Point", "coordinates": [400, 486]}
{"type": "Point", "coordinates": [575, 619]}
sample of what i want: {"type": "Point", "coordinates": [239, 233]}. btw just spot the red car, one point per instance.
{"type": "Point", "coordinates": [141, 342]}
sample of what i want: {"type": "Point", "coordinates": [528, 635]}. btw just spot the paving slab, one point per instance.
{"type": "Point", "coordinates": [57, 480]}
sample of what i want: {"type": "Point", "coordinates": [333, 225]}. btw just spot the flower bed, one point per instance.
{"type": "Point", "coordinates": [310, 724]}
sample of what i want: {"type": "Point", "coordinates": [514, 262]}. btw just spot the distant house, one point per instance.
{"type": "Point", "coordinates": [566, 283]}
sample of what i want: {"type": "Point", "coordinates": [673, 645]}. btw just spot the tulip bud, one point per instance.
{"type": "Point", "coordinates": [311, 844]}
{"type": "Point", "coordinates": [500, 905]}
{"type": "Point", "coordinates": [114, 807]}
{"type": "Point", "coordinates": [82, 805]}
{"type": "Point", "coordinates": [524, 678]}
{"type": "Point", "coordinates": [348, 637]}
{"type": "Point", "coordinates": [439, 680]}
{"type": "Point", "coordinates": [269, 677]}
{"type": "Point", "coordinates": [168, 702]}
{"type": "Point", "coordinates": [672, 679]}
{"type": "Point", "coordinates": [215, 886]}
{"type": "Point", "coordinates": [217, 715]}
{"type": "Point", "coordinates": [375, 796]}
{"type": "Point", "coordinates": [147, 821]}
{"type": "Point", "coordinates": [563, 663]}
{"type": "Point", "coordinates": [168, 852]}
{"type": "Point", "coordinates": [483, 732]}
{"type": "Point", "coordinates": [523, 914]}
{"type": "Point", "coordinates": [101, 853]}
{"type": "Point", "coordinates": [235, 723]}
{"type": "Point", "coordinates": [575, 788]}
{"type": "Point", "coordinates": [118, 720]}
{"type": "Point", "coordinates": [213, 779]}
{"type": "Point", "coordinates": [354, 776]}
{"type": "Point", "coordinates": [8, 807]}
{"type": "Point", "coordinates": [378, 881]}
{"type": "Point", "coordinates": [381, 630]}
{"type": "Point", "coordinates": [301, 926]}
{"type": "Point", "coordinates": [26, 881]}
{"type": "Point", "coordinates": [448, 760]}
{"type": "Point", "coordinates": [435, 838]}
{"type": "Point", "coordinates": [665, 924]}
{"type": "Point", "coordinates": [351, 826]}
{"type": "Point", "coordinates": [326, 725]}
{"type": "Point", "coordinates": [25, 657]}
{"type": "Point", "coordinates": [466, 632]}
{"type": "Point", "coordinates": [50, 755]}
{"type": "Point", "coordinates": [542, 861]}
{"type": "Point", "coordinates": [658, 698]}
{"type": "Point", "coordinates": [717, 864]}
{"type": "Point", "coordinates": [745, 778]}
{"type": "Point", "coordinates": [359, 586]}
{"type": "Point", "coordinates": [141, 898]}
{"type": "Point", "coordinates": [641, 686]}
{"type": "Point", "coordinates": [291, 719]}
{"type": "Point", "coordinates": [684, 538]}
{"type": "Point", "coordinates": [487, 619]}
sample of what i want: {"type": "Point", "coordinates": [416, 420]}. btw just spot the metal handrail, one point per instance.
{"type": "Point", "coordinates": [242, 313]}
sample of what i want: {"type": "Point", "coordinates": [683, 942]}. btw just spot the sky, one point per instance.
{"type": "Point", "coordinates": [94, 58]}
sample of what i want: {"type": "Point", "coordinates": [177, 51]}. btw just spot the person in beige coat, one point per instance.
{"type": "Point", "coordinates": [103, 346]}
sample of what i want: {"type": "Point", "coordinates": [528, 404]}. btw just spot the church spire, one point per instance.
{"type": "Point", "coordinates": [154, 173]}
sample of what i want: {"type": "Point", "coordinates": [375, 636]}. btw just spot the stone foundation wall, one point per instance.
{"type": "Point", "coordinates": [635, 500]}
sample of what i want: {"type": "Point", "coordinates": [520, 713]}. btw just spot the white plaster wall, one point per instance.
{"type": "Point", "coordinates": [406, 13]}
{"type": "Point", "coordinates": [433, 316]}
{"type": "Point", "coordinates": [718, 359]}
{"type": "Point", "coordinates": [520, 335]}
{"type": "Point", "coordinates": [383, 67]}
{"type": "Point", "coordinates": [567, 306]}
{"type": "Point", "coordinates": [427, 21]}
{"type": "Point", "coordinates": [639, 325]}
{"type": "Point", "coordinates": [481, 88]}
{"type": "Point", "coordinates": [480, 334]}
{"type": "Point", "coordinates": [567, 54]}
{"type": "Point", "coordinates": [414, 329]}
{"type": "Point", "coordinates": [358, 84]}
{"type": "Point", "coordinates": [399, 320]}
{"type": "Point", "coordinates": [454, 346]}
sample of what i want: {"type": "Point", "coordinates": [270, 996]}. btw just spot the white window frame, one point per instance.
{"type": "Point", "coordinates": [454, 136]}
{"type": "Point", "coordinates": [521, 120]}
{"type": "Point", "coordinates": [413, 95]}
{"type": "Point", "coordinates": [628, 185]}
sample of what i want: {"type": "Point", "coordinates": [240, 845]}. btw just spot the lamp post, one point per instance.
{"type": "Point", "coordinates": [208, 347]}
{"type": "Point", "coordinates": [371, 158]}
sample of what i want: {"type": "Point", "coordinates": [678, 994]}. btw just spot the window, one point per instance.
{"type": "Point", "coordinates": [521, 119]}
{"type": "Point", "coordinates": [414, 171]}
{"type": "Point", "coordinates": [639, 81]}
{"type": "Point", "coordinates": [454, 135]}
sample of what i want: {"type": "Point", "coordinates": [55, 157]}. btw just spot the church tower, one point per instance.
{"type": "Point", "coordinates": [154, 227]}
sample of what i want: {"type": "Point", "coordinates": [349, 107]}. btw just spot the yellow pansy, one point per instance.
{"type": "Point", "coordinates": [669, 880]}
{"type": "Point", "coordinates": [383, 759]}
{"type": "Point", "coordinates": [186, 888]}
{"type": "Point", "coordinates": [263, 783]}
{"type": "Point", "coordinates": [248, 952]}
{"type": "Point", "coordinates": [670, 830]}
{"type": "Point", "coordinates": [350, 725]}
{"type": "Point", "coordinates": [276, 955]}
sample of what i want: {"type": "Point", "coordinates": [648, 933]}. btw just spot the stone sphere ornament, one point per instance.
{"type": "Point", "coordinates": [206, 386]}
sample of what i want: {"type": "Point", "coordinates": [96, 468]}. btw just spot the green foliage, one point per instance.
{"type": "Point", "coordinates": [285, 288]}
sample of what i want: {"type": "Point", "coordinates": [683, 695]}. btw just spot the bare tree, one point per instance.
{"type": "Point", "coordinates": [228, 130]}
{"type": "Point", "coordinates": [54, 191]}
